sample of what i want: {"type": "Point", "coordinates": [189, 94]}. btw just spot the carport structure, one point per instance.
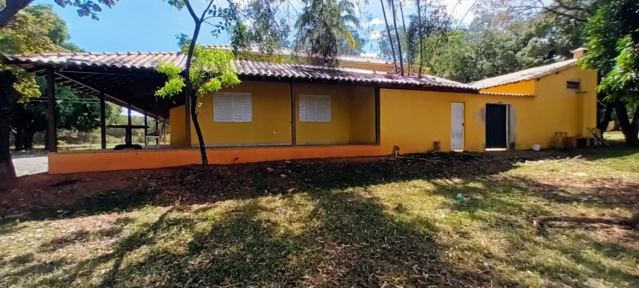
{"type": "Point", "coordinates": [127, 79]}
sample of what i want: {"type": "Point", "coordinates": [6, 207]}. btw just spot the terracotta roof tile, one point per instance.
{"type": "Point", "coordinates": [524, 75]}
{"type": "Point", "coordinates": [149, 61]}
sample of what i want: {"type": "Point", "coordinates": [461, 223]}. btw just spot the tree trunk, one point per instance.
{"type": "Point", "coordinates": [8, 97]}
{"type": "Point", "coordinates": [12, 7]}
{"type": "Point", "coordinates": [18, 142]}
{"type": "Point", "coordinates": [28, 139]}
{"type": "Point", "coordinates": [399, 42]}
{"type": "Point", "coordinates": [401, 11]}
{"type": "Point", "coordinates": [541, 221]}
{"type": "Point", "coordinates": [605, 120]}
{"type": "Point", "coordinates": [198, 131]}
{"type": "Point", "coordinates": [630, 129]}
{"type": "Point", "coordinates": [189, 86]}
{"type": "Point", "coordinates": [633, 140]}
{"type": "Point", "coordinates": [390, 39]}
{"type": "Point", "coordinates": [419, 33]}
{"type": "Point", "coordinates": [46, 141]}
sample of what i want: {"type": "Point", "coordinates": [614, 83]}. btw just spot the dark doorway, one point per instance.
{"type": "Point", "coordinates": [496, 123]}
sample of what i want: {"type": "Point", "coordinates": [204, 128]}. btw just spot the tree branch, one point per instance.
{"type": "Point", "coordinates": [12, 8]}
{"type": "Point", "coordinates": [561, 4]}
{"type": "Point", "coordinates": [557, 12]}
{"type": "Point", "coordinates": [188, 6]}
{"type": "Point", "coordinates": [205, 10]}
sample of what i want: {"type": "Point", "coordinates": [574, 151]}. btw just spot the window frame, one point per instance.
{"type": "Point", "coordinates": [577, 82]}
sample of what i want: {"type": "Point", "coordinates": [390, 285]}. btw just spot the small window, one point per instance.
{"type": "Point", "coordinates": [315, 108]}
{"type": "Point", "coordinates": [576, 85]}
{"type": "Point", "coordinates": [232, 107]}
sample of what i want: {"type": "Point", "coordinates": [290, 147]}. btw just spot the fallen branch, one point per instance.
{"type": "Point", "coordinates": [541, 221]}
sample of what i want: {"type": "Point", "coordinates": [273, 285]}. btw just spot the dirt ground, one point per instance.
{"type": "Point", "coordinates": [43, 194]}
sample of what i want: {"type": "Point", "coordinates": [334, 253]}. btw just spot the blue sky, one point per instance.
{"type": "Point", "coordinates": [151, 25]}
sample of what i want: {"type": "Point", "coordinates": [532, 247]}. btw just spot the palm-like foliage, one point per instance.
{"type": "Point", "coordinates": [322, 25]}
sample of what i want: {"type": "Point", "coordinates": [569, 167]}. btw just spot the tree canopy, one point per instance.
{"type": "Point", "coordinates": [322, 26]}
{"type": "Point", "coordinates": [10, 8]}
{"type": "Point", "coordinates": [211, 70]}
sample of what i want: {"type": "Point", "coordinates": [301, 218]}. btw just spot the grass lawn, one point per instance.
{"type": "Point", "coordinates": [329, 223]}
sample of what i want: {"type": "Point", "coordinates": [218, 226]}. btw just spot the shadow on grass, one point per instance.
{"type": "Point", "coordinates": [194, 185]}
{"type": "Point", "coordinates": [348, 240]}
{"type": "Point", "coordinates": [507, 208]}
{"type": "Point", "coordinates": [616, 151]}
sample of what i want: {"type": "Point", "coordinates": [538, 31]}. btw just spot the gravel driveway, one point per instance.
{"type": "Point", "coordinates": [30, 164]}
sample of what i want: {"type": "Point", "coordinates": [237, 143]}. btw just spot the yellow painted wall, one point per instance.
{"type": "Point", "coordinates": [576, 111]}
{"type": "Point", "coordinates": [177, 126]}
{"type": "Point", "coordinates": [352, 118]}
{"type": "Point", "coordinates": [526, 87]}
{"type": "Point", "coordinates": [413, 120]}
{"type": "Point", "coordinates": [335, 132]}
{"type": "Point", "coordinates": [271, 123]}
{"type": "Point", "coordinates": [362, 115]}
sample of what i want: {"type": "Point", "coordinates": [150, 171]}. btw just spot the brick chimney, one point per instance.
{"type": "Point", "coordinates": [579, 52]}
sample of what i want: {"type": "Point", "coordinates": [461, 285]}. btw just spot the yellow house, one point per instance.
{"type": "Point", "coordinates": [287, 111]}
{"type": "Point", "coordinates": [513, 111]}
{"type": "Point", "coordinates": [558, 98]}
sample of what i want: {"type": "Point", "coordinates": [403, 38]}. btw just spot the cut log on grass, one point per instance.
{"type": "Point", "coordinates": [541, 222]}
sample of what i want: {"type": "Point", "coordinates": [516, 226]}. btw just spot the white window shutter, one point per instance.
{"type": "Point", "coordinates": [303, 109]}
{"type": "Point", "coordinates": [247, 109]}
{"type": "Point", "coordinates": [315, 108]}
{"type": "Point", "coordinates": [323, 109]}
{"type": "Point", "coordinates": [232, 107]}
{"type": "Point", "coordinates": [222, 108]}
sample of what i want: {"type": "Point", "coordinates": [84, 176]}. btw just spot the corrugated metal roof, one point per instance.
{"type": "Point", "coordinates": [288, 51]}
{"type": "Point", "coordinates": [524, 75]}
{"type": "Point", "coordinates": [149, 60]}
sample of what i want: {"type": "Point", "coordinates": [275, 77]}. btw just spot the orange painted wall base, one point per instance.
{"type": "Point", "coordinates": [109, 160]}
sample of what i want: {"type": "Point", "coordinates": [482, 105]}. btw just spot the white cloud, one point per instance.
{"type": "Point", "coordinates": [375, 21]}
{"type": "Point", "coordinates": [375, 34]}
